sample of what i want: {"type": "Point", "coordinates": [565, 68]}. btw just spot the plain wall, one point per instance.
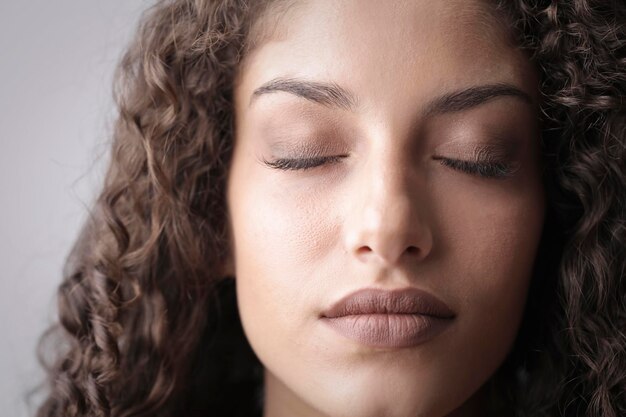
{"type": "Point", "coordinates": [57, 60]}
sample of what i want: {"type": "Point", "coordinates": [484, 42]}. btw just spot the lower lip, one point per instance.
{"type": "Point", "coordinates": [388, 330]}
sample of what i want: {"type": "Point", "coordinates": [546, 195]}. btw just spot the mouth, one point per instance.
{"type": "Point", "coordinates": [378, 301]}
{"type": "Point", "coordinates": [389, 319]}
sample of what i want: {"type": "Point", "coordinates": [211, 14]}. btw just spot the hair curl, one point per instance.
{"type": "Point", "coordinates": [149, 323]}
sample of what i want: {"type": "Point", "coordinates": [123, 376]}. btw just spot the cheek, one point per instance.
{"type": "Point", "coordinates": [486, 242]}
{"type": "Point", "coordinates": [280, 232]}
{"type": "Point", "coordinates": [280, 235]}
{"type": "Point", "coordinates": [500, 246]}
{"type": "Point", "coordinates": [491, 240]}
{"type": "Point", "coordinates": [281, 221]}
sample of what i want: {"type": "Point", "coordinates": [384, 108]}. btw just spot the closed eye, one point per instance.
{"type": "Point", "coordinates": [295, 164]}
{"type": "Point", "coordinates": [487, 169]}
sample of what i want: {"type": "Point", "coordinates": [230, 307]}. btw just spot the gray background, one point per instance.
{"type": "Point", "coordinates": [56, 65]}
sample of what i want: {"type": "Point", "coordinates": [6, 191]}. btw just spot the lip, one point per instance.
{"type": "Point", "coordinates": [378, 301]}
{"type": "Point", "coordinates": [389, 319]}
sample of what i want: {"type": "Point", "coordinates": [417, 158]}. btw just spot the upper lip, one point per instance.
{"type": "Point", "coordinates": [379, 301]}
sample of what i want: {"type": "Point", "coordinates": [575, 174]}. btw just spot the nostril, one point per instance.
{"type": "Point", "coordinates": [364, 249]}
{"type": "Point", "coordinates": [412, 250]}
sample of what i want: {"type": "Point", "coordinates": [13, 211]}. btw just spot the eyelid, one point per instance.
{"type": "Point", "coordinates": [304, 154]}
{"type": "Point", "coordinates": [303, 148]}
{"type": "Point", "coordinates": [491, 169]}
{"type": "Point", "coordinates": [501, 150]}
{"type": "Point", "coordinates": [294, 164]}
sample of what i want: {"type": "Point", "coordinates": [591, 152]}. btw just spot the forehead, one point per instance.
{"type": "Point", "coordinates": [386, 49]}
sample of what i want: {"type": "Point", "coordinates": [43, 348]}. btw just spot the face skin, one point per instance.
{"type": "Point", "coordinates": [388, 213]}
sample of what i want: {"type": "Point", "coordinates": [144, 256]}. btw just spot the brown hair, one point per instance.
{"type": "Point", "coordinates": [148, 322]}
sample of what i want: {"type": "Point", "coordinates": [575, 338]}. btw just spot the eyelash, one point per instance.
{"type": "Point", "coordinates": [495, 169]}
{"type": "Point", "coordinates": [287, 164]}
{"type": "Point", "coordinates": [492, 169]}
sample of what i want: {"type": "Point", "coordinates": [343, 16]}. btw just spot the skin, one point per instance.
{"type": "Point", "coordinates": [388, 214]}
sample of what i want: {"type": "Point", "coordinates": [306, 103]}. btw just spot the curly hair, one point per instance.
{"type": "Point", "coordinates": [148, 324]}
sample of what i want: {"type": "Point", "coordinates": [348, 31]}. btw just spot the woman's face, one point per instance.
{"type": "Point", "coordinates": [349, 120]}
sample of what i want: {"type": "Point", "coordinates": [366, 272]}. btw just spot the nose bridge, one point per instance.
{"type": "Point", "coordinates": [387, 221]}
{"type": "Point", "coordinates": [388, 195]}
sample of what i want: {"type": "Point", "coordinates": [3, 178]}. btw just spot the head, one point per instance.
{"type": "Point", "coordinates": [415, 87]}
{"type": "Point", "coordinates": [288, 153]}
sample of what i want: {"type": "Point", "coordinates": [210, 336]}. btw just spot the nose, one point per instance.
{"type": "Point", "coordinates": [386, 221]}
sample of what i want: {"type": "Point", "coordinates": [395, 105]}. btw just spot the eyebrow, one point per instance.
{"type": "Point", "coordinates": [471, 97]}
{"type": "Point", "coordinates": [331, 94]}
{"type": "Point", "coordinates": [328, 94]}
